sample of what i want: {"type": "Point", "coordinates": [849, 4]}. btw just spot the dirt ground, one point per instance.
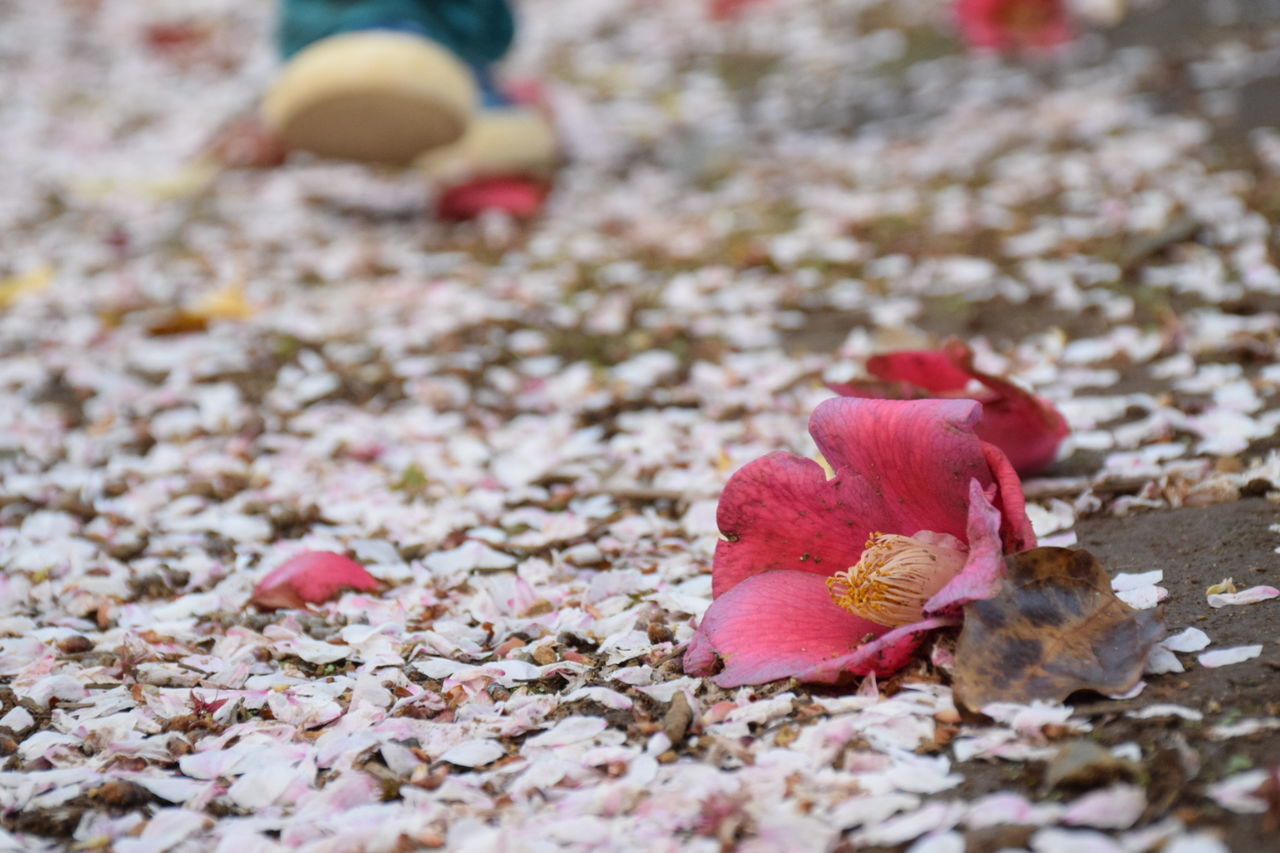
{"type": "Point", "coordinates": [1196, 547]}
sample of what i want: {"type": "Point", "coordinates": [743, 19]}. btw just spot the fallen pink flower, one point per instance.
{"type": "Point", "coordinates": [518, 196]}
{"type": "Point", "coordinates": [311, 577]}
{"type": "Point", "coordinates": [726, 10]}
{"type": "Point", "coordinates": [820, 579]}
{"type": "Point", "coordinates": [1006, 25]}
{"type": "Point", "coordinates": [1026, 427]}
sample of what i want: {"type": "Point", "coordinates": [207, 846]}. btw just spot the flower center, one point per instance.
{"type": "Point", "coordinates": [894, 578]}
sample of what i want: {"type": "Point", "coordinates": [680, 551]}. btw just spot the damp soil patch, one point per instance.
{"type": "Point", "coordinates": [1195, 547]}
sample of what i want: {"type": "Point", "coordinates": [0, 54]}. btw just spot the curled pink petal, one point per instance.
{"type": "Point", "coordinates": [1015, 529]}
{"type": "Point", "coordinates": [984, 568]}
{"type": "Point", "coordinates": [1006, 25]}
{"type": "Point", "coordinates": [312, 577]}
{"type": "Point", "coordinates": [774, 625]}
{"type": "Point", "coordinates": [518, 196]}
{"type": "Point", "coordinates": [1026, 427]}
{"type": "Point", "coordinates": [882, 656]}
{"type": "Point", "coordinates": [935, 371]}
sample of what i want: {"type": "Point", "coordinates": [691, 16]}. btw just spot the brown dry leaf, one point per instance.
{"type": "Point", "coordinates": [226, 303]}
{"type": "Point", "coordinates": [1054, 628]}
{"type": "Point", "coordinates": [1084, 764]}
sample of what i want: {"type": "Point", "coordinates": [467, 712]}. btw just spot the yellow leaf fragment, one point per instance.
{"type": "Point", "coordinates": [16, 287]}
{"type": "Point", "coordinates": [1225, 587]}
{"type": "Point", "coordinates": [225, 303]}
{"type": "Point", "coordinates": [188, 180]}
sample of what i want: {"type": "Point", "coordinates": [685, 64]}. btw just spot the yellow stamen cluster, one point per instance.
{"type": "Point", "coordinates": [894, 578]}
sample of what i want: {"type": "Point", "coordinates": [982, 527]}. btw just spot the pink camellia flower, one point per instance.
{"type": "Point", "coordinates": [1006, 25]}
{"type": "Point", "coordinates": [820, 579]}
{"type": "Point", "coordinates": [312, 577]}
{"type": "Point", "coordinates": [1026, 427]}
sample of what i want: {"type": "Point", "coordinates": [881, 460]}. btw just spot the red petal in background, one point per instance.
{"type": "Point", "coordinates": [725, 10]}
{"type": "Point", "coordinates": [1026, 427]}
{"type": "Point", "coordinates": [516, 195]}
{"type": "Point", "coordinates": [312, 577]}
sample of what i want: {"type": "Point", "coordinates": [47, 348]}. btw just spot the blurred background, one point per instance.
{"type": "Point", "coordinates": [743, 117]}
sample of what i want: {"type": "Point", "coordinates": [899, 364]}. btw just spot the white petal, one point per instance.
{"type": "Point", "coordinates": [1223, 657]}
{"type": "Point", "coordinates": [474, 753]}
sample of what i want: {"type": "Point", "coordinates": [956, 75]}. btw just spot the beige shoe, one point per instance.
{"type": "Point", "coordinates": [514, 140]}
{"type": "Point", "coordinates": [377, 96]}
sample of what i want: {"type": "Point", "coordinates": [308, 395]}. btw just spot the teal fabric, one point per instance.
{"type": "Point", "coordinates": [478, 31]}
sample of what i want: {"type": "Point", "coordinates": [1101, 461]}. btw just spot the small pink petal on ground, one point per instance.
{"type": "Point", "coordinates": [1117, 807]}
{"type": "Point", "coordinates": [1066, 539]}
{"type": "Point", "coordinates": [1226, 657]}
{"type": "Point", "coordinates": [873, 809]}
{"type": "Point", "coordinates": [518, 196]}
{"type": "Point", "coordinates": [1134, 580]}
{"type": "Point", "coordinates": [1165, 710]}
{"type": "Point", "coordinates": [1145, 598]}
{"type": "Point", "coordinates": [1187, 640]}
{"type": "Point", "coordinates": [1162, 661]}
{"type": "Point", "coordinates": [1243, 728]}
{"type": "Point", "coordinates": [312, 577]}
{"type": "Point", "coordinates": [932, 817]}
{"type": "Point", "coordinates": [727, 10]}
{"type": "Point", "coordinates": [1006, 807]}
{"type": "Point", "coordinates": [1054, 840]}
{"type": "Point", "coordinates": [941, 842]}
{"type": "Point", "coordinates": [1196, 842]}
{"type": "Point", "coordinates": [1139, 590]}
{"type": "Point", "coordinates": [1252, 595]}
{"type": "Point", "coordinates": [474, 753]}
{"type": "Point", "coordinates": [1236, 793]}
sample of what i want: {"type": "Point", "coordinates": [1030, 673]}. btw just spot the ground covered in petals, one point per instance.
{"type": "Point", "coordinates": [521, 432]}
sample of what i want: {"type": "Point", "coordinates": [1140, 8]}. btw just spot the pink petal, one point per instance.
{"type": "Point", "coordinates": [518, 196]}
{"type": "Point", "coordinates": [725, 10]}
{"type": "Point", "coordinates": [984, 568]}
{"type": "Point", "coordinates": [1026, 427]}
{"type": "Point", "coordinates": [312, 577]}
{"type": "Point", "coordinates": [913, 458]}
{"type": "Point", "coordinates": [988, 24]}
{"type": "Point", "coordinates": [775, 625]}
{"type": "Point", "coordinates": [781, 512]}
{"type": "Point", "coordinates": [884, 655]}
{"type": "Point", "coordinates": [901, 467]}
{"type": "Point", "coordinates": [1015, 530]}
{"type": "Point", "coordinates": [932, 371]}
